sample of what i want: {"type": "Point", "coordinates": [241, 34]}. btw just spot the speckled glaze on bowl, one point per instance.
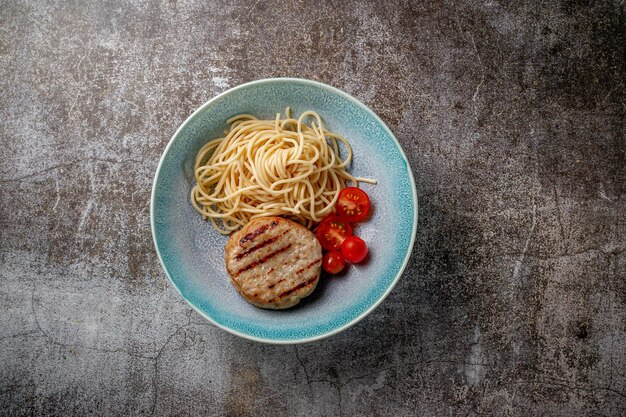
{"type": "Point", "coordinates": [192, 253]}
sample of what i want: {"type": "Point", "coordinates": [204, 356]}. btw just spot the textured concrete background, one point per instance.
{"type": "Point", "coordinates": [512, 116]}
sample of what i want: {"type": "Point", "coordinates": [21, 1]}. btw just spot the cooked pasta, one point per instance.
{"type": "Point", "coordinates": [282, 167]}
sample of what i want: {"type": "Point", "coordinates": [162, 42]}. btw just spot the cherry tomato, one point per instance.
{"type": "Point", "coordinates": [333, 262]}
{"type": "Point", "coordinates": [354, 249]}
{"type": "Point", "coordinates": [353, 205]}
{"type": "Point", "coordinates": [332, 231]}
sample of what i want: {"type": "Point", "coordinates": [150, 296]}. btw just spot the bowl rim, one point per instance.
{"type": "Point", "coordinates": [360, 104]}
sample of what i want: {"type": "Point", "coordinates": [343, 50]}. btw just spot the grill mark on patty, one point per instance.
{"type": "Point", "coordinates": [250, 236]}
{"type": "Point", "coordinates": [276, 283]}
{"type": "Point", "coordinates": [296, 288]}
{"type": "Point", "coordinates": [263, 260]}
{"type": "Point", "coordinates": [299, 271]}
{"type": "Point", "coordinates": [259, 246]}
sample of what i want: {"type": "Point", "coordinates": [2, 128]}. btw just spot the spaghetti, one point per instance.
{"type": "Point", "coordinates": [281, 167]}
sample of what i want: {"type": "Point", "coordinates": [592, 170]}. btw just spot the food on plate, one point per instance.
{"type": "Point", "coordinates": [274, 262]}
{"type": "Point", "coordinates": [335, 236]}
{"type": "Point", "coordinates": [353, 205]}
{"type": "Point", "coordinates": [281, 167]}
{"type": "Point", "coordinates": [354, 249]}
{"type": "Point", "coordinates": [265, 180]}
{"type": "Point", "coordinates": [333, 262]}
{"type": "Point", "coordinates": [332, 231]}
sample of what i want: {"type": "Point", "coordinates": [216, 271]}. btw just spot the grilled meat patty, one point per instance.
{"type": "Point", "coordinates": [274, 262]}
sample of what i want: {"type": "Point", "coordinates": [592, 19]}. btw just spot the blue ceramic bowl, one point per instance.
{"type": "Point", "coordinates": [192, 253]}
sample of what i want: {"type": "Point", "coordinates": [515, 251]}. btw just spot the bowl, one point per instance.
{"type": "Point", "coordinates": [192, 252]}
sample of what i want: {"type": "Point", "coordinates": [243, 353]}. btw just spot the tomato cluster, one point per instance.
{"type": "Point", "coordinates": [335, 232]}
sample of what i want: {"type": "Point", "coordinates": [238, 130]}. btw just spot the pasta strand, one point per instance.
{"type": "Point", "coordinates": [280, 167]}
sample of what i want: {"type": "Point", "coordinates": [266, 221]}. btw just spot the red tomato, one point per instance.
{"type": "Point", "coordinates": [354, 249]}
{"type": "Point", "coordinates": [332, 231]}
{"type": "Point", "coordinates": [353, 205]}
{"type": "Point", "coordinates": [333, 262]}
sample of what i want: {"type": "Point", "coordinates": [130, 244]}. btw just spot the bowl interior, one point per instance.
{"type": "Point", "coordinates": [192, 253]}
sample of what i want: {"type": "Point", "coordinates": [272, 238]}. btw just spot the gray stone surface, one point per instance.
{"type": "Point", "coordinates": [512, 116]}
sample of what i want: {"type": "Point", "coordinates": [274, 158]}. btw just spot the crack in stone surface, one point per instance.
{"type": "Point", "coordinates": [77, 162]}
{"type": "Point", "coordinates": [309, 382]}
{"type": "Point", "coordinates": [53, 341]}
{"type": "Point", "coordinates": [155, 382]}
